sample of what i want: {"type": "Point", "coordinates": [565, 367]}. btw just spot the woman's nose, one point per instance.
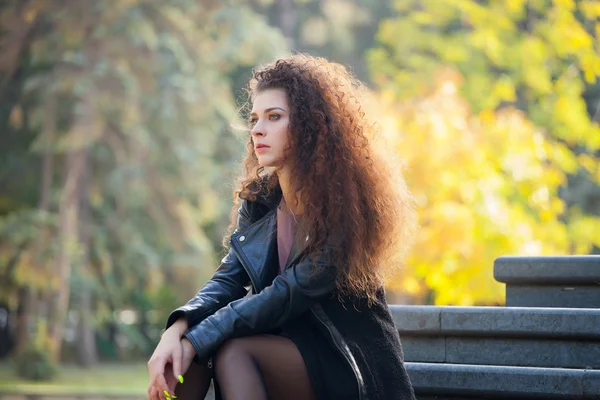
{"type": "Point", "coordinates": [257, 130]}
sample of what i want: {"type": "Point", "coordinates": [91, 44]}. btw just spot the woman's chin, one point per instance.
{"type": "Point", "coordinates": [267, 162]}
{"type": "Point", "coordinates": [264, 164]}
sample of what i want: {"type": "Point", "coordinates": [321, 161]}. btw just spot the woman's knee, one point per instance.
{"type": "Point", "coordinates": [196, 383]}
{"type": "Point", "coordinates": [232, 351]}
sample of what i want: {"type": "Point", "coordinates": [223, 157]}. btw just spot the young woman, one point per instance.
{"type": "Point", "coordinates": [297, 309]}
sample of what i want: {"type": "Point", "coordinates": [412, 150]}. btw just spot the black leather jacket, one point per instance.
{"type": "Point", "coordinates": [222, 309]}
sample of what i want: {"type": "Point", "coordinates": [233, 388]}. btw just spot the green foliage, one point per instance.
{"type": "Point", "coordinates": [127, 107]}
{"type": "Point", "coordinates": [36, 362]}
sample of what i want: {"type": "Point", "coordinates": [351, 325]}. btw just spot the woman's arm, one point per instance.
{"type": "Point", "coordinates": [290, 294]}
{"type": "Point", "coordinates": [227, 284]}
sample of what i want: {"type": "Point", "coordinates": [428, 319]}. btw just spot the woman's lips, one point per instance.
{"type": "Point", "coordinates": [261, 149]}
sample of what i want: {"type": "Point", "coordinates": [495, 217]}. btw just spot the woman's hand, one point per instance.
{"type": "Point", "coordinates": [168, 361]}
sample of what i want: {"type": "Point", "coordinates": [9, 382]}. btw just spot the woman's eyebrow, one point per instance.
{"type": "Point", "coordinates": [269, 109]}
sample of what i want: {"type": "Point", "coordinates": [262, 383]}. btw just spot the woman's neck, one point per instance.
{"type": "Point", "coordinates": [289, 195]}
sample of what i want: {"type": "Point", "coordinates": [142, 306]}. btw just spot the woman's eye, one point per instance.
{"type": "Point", "coordinates": [272, 117]}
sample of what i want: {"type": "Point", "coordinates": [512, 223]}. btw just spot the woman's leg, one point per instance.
{"type": "Point", "coordinates": [262, 367]}
{"type": "Point", "coordinates": [196, 382]}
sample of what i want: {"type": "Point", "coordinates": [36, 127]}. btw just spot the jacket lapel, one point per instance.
{"type": "Point", "coordinates": [257, 248]}
{"type": "Point", "coordinates": [257, 244]}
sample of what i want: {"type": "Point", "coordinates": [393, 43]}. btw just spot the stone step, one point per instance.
{"type": "Point", "coordinates": [497, 322]}
{"type": "Point", "coordinates": [506, 351]}
{"type": "Point", "coordinates": [502, 382]}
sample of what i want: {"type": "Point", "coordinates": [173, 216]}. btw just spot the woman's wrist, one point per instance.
{"type": "Point", "coordinates": [180, 326]}
{"type": "Point", "coordinates": [187, 345]}
{"type": "Point", "coordinates": [189, 352]}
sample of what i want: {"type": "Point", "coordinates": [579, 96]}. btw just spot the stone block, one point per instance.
{"type": "Point", "coordinates": [573, 296]}
{"type": "Point", "coordinates": [548, 269]}
{"type": "Point", "coordinates": [424, 320]}
{"type": "Point", "coordinates": [591, 384]}
{"type": "Point", "coordinates": [523, 352]}
{"type": "Point", "coordinates": [424, 349]}
{"type": "Point", "coordinates": [496, 381]}
{"type": "Point", "coordinates": [521, 322]}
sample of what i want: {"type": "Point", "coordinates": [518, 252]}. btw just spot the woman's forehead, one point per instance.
{"type": "Point", "coordinates": [269, 98]}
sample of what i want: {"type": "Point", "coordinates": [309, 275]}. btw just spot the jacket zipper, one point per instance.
{"type": "Point", "coordinates": [342, 348]}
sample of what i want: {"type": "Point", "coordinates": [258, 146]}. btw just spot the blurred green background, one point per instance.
{"type": "Point", "coordinates": [119, 147]}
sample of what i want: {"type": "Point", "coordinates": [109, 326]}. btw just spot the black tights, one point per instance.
{"type": "Point", "coordinates": [253, 367]}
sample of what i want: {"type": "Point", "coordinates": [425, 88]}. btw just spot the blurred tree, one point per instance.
{"type": "Point", "coordinates": [340, 30]}
{"type": "Point", "coordinates": [117, 114]}
{"type": "Point", "coordinates": [537, 56]}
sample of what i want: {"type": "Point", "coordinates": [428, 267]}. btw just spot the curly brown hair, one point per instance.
{"type": "Point", "coordinates": [354, 201]}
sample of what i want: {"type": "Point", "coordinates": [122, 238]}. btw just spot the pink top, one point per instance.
{"type": "Point", "coordinates": [287, 226]}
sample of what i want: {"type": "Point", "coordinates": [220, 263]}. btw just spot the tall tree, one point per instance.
{"type": "Point", "coordinates": [140, 134]}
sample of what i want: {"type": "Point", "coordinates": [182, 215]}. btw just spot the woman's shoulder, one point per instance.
{"type": "Point", "coordinates": [254, 207]}
{"type": "Point", "coordinates": [260, 198]}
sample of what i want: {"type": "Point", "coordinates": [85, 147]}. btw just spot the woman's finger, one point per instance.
{"type": "Point", "coordinates": [177, 355]}
{"type": "Point", "coordinates": [154, 394]}
{"type": "Point", "coordinates": [157, 370]}
{"type": "Point", "coordinates": [161, 385]}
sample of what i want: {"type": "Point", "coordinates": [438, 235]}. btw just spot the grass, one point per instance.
{"type": "Point", "coordinates": [109, 379]}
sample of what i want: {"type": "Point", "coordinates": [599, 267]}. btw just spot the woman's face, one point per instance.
{"type": "Point", "coordinates": [269, 123]}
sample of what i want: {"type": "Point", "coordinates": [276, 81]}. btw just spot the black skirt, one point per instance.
{"type": "Point", "coordinates": [330, 375]}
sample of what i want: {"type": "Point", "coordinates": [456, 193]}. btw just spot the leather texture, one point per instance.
{"type": "Point", "coordinates": [221, 309]}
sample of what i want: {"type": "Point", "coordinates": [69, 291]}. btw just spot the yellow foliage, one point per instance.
{"type": "Point", "coordinates": [486, 185]}
{"type": "Point", "coordinates": [590, 9]}
{"type": "Point", "coordinates": [567, 4]}
{"type": "Point", "coordinates": [537, 55]}
{"type": "Point", "coordinates": [514, 6]}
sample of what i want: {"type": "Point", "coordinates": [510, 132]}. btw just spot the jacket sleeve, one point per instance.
{"type": "Point", "coordinates": [227, 284]}
{"type": "Point", "coordinates": [290, 294]}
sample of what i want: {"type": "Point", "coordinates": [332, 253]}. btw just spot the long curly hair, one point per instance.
{"type": "Point", "coordinates": [354, 201]}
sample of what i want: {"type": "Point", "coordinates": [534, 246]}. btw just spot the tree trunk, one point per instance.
{"type": "Point", "coordinates": [17, 32]}
{"type": "Point", "coordinates": [67, 239]}
{"type": "Point", "coordinates": [86, 345]}
{"type": "Point", "coordinates": [27, 295]}
{"type": "Point", "coordinates": [22, 329]}
{"type": "Point", "coordinates": [70, 235]}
